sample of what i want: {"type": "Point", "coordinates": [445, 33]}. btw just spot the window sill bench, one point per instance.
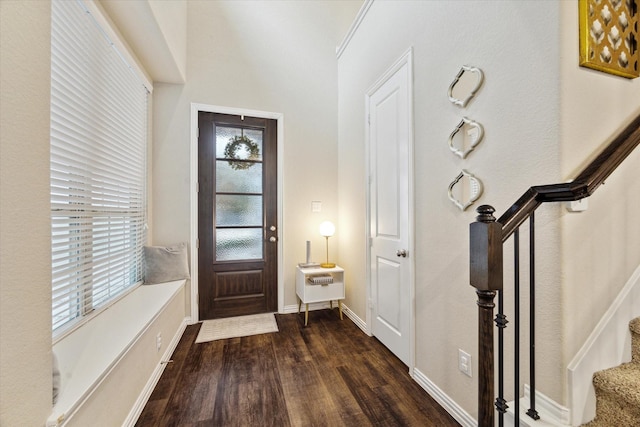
{"type": "Point", "coordinates": [87, 355]}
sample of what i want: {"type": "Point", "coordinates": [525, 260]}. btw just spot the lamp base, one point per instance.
{"type": "Point", "coordinates": [327, 265]}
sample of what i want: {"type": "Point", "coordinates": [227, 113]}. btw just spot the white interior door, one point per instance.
{"type": "Point", "coordinates": [390, 150]}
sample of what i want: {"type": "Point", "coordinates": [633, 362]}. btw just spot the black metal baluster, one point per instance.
{"type": "Point", "coordinates": [532, 319]}
{"type": "Point", "coordinates": [516, 315]}
{"type": "Point", "coordinates": [501, 323]}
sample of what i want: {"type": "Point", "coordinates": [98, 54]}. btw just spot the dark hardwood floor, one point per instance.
{"type": "Point", "coordinates": [326, 374]}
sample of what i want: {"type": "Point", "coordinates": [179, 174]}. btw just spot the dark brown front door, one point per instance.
{"type": "Point", "coordinates": [237, 209]}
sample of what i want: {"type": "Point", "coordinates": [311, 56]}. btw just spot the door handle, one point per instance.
{"type": "Point", "coordinates": [273, 239]}
{"type": "Point", "coordinates": [402, 253]}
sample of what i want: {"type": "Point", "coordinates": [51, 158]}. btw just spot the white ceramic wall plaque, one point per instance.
{"type": "Point", "coordinates": [465, 189]}
{"type": "Point", "coordinates": [465, 85]}
{"type": "Point", "coordinates": [465, 137]}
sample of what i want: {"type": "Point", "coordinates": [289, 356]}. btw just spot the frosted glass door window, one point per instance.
{"type": "Point", "coordinates": [230, 180]}
{"type": "Point", "coordinates": [238, 244]}
{"type": "Point", "coordinates": [239, 209]}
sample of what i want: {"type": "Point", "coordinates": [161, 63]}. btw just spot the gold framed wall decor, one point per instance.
{"type": "Point", "coordinates": [609, 36]}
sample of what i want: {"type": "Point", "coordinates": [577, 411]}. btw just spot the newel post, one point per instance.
{"type": "Point", "coordinates": [486, 276]}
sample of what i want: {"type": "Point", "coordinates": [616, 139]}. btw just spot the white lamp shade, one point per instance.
{"type": "Point", "coordinates": [327, 229]}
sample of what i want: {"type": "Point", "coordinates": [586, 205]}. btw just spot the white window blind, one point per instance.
{"type": "Point", "coordinates": [98, 167]}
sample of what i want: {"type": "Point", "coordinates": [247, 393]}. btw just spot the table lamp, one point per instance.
{"type": "Point", "coordinates": [327, 229]}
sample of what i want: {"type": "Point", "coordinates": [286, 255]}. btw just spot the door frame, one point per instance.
{"type": "Point", "coordinates": [193, 185]}
{"type": "Point", "coordinates": [406, 58]}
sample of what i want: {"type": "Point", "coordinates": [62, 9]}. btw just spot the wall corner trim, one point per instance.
{"type": "Point", "coordinates": [354, 27]}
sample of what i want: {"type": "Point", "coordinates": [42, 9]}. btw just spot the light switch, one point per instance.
{"type": "Point", "coordinates": [316, 206]}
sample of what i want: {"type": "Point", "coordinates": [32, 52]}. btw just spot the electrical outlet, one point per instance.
{"type": "Point", "coordinates": [464, 362]}
{"type": "Point", "coordinates": [159, 341]}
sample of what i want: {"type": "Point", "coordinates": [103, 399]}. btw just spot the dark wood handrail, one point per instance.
{"type": "Point", "coordinates": [591, 177]}
{"type": "Point", "coordinates": [487, 236]}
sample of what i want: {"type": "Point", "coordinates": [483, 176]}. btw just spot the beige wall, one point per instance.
{"type": "Point", "coordinates": [518, 106]}
{"type": "Point", "coordinates": [171, 16]}
{"type": "Point", "coordinates": [600, 247]}
{"type": "Point", "coordinates": [543, 116]}
{"type": "Point", "coordinates": [268, 56]}
{"type": "Point", "coordinates": [25, 257]}
{"type": "Point", "coordinates": [156, 30]}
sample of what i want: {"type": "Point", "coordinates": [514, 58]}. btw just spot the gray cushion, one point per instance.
{"type": "Point", "coordinates": [166, 263]}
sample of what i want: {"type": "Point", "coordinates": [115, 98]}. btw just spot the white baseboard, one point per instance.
{"type": "Point", "coordinates": [608, 345]}
{"type": "Point", "coordinates": [355, 319]}
{"type": "Point", "coordinates": [549, 408]}
{"type": "Point", "coordinates": [142, 400]}
{"type": "Point", "coordinates": [551, 413]}
{"type": "Point", "coordinates": [455, 410]}
{"type": "Point", "coordinates": [290, 309]}
{"type": "Point", "coordinates": [449, 405]}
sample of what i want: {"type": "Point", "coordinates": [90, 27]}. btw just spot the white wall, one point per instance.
{"type": "Point", "coordinates": [600, 247]}
{"type": "Point", "coordinates": [268, 56]}
{"type": "Point", "coordinates": [25, 257]}
{"type": "Point", "coordinates": [516, 45]}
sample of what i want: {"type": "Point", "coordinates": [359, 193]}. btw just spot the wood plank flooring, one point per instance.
{"type": "Point", "coordinates": [326, 374]}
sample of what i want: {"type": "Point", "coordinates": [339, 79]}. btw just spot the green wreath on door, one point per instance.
{"type": "Point", "coordinates": [236, 143]}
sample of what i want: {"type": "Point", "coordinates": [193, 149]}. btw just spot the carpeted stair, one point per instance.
{"type": "Point", "coordinates": [618, 389]}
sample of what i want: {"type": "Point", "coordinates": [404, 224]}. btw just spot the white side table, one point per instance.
{"type": "Point", "coordinates": [308, 293]}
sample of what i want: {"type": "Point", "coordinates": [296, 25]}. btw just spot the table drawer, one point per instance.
{"type": "Point", "coordinates": [316, 293]}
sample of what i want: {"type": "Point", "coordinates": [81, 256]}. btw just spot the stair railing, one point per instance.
{"type": "Point", "coordinates": [487, 237]}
